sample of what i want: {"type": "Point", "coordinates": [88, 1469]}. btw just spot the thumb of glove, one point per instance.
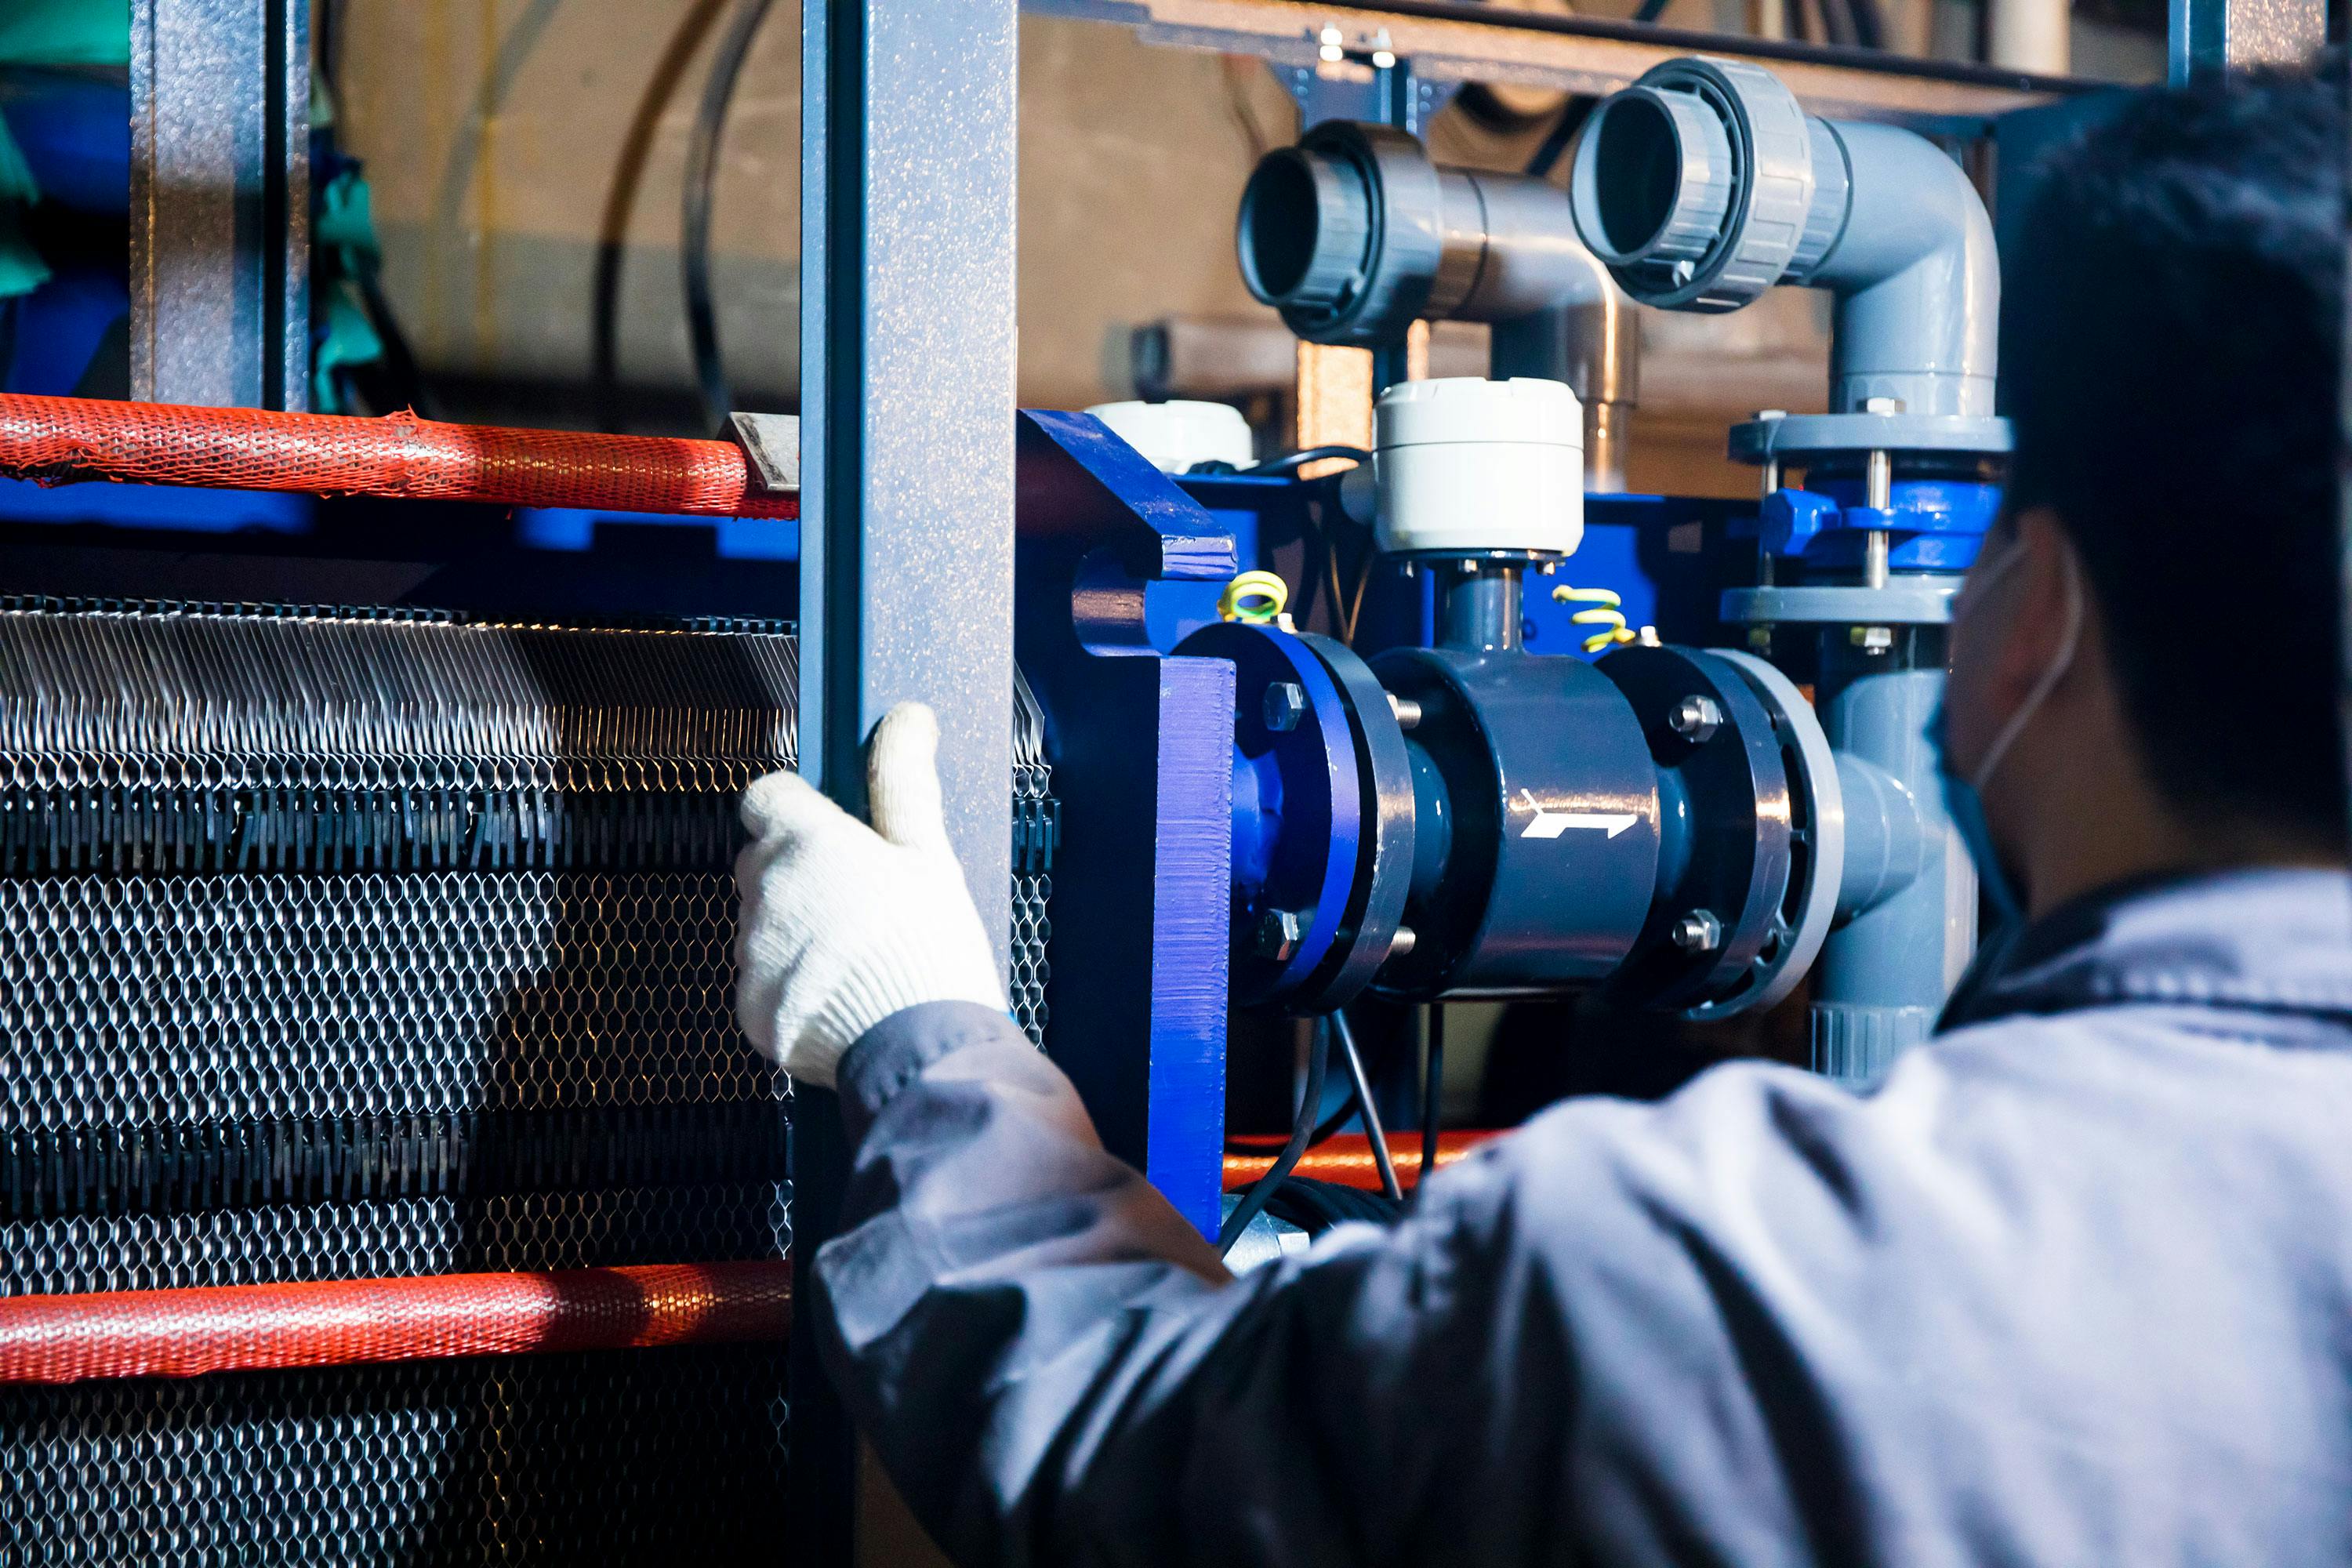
{"type": "Point", "coordinates": [902, 780]}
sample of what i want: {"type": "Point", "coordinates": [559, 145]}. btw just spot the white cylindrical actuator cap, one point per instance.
{"type": "Point", "coordinates": [1175, 436]}
{"type": "Point", "coordinates": [1467, 467]}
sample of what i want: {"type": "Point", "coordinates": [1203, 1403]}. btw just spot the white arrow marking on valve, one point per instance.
{"type": "Point", "coordinates": [1553, 824]}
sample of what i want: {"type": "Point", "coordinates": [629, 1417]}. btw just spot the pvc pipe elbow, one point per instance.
{"type": "Point", "coordinates": [1705, 183]}
{"type": "Point", "coordinates": [1916, 278]}
{"type": "Point", "coordinates": [1354, 233]}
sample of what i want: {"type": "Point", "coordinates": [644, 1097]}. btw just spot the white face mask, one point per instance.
{"type": "Point", "coordinates": [2070, 640]}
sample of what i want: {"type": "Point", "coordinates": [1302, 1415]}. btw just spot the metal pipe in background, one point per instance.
{"type": "Point", "coordinates": [2031, 36]}
{"type": "Point", "coordinates": [65, 438]}
{"type": "Point", "coordinates": [1228, 359]}
{"type": "Point", "coordinates": [338, 1323]}
{"type": "Point", "coordinates": [1595, 348]}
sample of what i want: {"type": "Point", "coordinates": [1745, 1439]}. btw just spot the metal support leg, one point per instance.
{"type": "Point", "coordinates": [220, 203]}
{"type": "Point", "coordinates": [906, 430]}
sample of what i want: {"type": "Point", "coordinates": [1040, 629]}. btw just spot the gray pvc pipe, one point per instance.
{"type": "Point", "coordinates": [1883, 972]}
{"type": "Point", "coordinates": [1886, 845]}
{"type": "Point", "coordinates": [1916, 278]}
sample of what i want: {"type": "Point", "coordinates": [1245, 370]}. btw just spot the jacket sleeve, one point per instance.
{"type": "Point", "coordinates": [1056, 1368]}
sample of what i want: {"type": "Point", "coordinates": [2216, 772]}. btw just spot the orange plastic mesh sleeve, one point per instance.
{"type": "Point", "coordinates": [59, 440]}
{"type": "Point", "coordinates": [186, 1334]}
{"type": "Point", "coordinates": [1346, 1158]}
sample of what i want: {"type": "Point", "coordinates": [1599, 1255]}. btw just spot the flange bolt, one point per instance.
{"type": "Point", "coordinates": [1696, 718]}
{"type": "Point", "coordinates": [1285, 705]}
{"type": "Point", "coordinates": [1279, 932]}
{"type": "Point", "coordinates": [1699, 932]}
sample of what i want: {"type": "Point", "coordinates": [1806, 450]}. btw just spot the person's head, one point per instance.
{"type": "Point", "coordinates": [2170, 357]}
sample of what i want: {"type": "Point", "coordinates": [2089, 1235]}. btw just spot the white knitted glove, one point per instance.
{"type": "Point", "coordinates": [843, 924]}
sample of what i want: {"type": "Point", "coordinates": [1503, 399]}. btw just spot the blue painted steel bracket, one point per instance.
{"type": "Point", "coordinates": [1141, 744]}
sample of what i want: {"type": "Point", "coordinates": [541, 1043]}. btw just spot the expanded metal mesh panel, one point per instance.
{"type": "Point", "coordinates": [662, 1456]}
{"type": "Point", "coordinates": [339, 945]}
{"type": "Point", "coordinates": [396, 1237]}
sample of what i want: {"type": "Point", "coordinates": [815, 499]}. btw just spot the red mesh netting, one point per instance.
{"type": "Point", "coordinates": [55, 439]}
{"type": "Point", "coordinates": [183, 1334]}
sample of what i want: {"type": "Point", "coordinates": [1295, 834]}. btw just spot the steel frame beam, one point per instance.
{"type": "Point", "coordinates": [2209, 35]}
{"type": "Point", "coordinates": [220, 203]}
{"type": "Point", "coordinates": [1454, 41]}
{"type": "Point", "coordinates": [907, 165]}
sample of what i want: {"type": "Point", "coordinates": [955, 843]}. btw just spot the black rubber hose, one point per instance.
{"type": "Point", "coordinates": [1432, 1094]}
{"type": "Point", "coordinates": [1301, 1127]}
{"type": "Point", "coordinates": [701, 184]}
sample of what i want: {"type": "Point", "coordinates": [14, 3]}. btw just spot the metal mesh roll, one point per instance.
{"type": "Point", "coordinates": [339, 945]}
{"type": "Point", "coordinates": [610, 1456]}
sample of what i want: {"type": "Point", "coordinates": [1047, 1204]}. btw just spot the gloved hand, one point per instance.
{"type": "Point", "coordinates": [842, 924]}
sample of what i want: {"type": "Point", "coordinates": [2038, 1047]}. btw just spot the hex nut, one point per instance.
{"type": "Point", "coordinates": [1699, 932]}
{"type": "Point", "coordinates": [1696, 718]}
{"type": "Point", "coordinates": [1277, 934]}
{"type": "Point", "coordinates": [1285, 705]}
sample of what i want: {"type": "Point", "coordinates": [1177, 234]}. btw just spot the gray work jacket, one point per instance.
{"type": "Point", "coordinates": [2073, 1285]}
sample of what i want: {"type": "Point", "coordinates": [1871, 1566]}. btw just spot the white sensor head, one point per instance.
{"type": "Point", "coordinates": [1471, 466]}
{"type": "Point", "coordinates": [1174, 436]}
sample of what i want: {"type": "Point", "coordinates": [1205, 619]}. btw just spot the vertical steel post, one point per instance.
{"type": "Point", "coordinates": [906, 430]}
{"type": "Point", "coordinates": [2209, 35]}
{"type": "Point", "coordinates": [220, 202]}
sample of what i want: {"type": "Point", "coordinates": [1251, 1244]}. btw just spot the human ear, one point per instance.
{"type": "Point", "coordinates": [2030, 622]}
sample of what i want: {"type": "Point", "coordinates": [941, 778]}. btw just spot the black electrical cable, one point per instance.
{"type": "Point", "coordinates": [1318, 1057]}
{"type": "Point", "coordinates": [407, 386]}
{"type": "Point", "coordinates": [1869, 27]}
{"type": "Point", "coordinates": [1329, 1128]}
{"type": "Point", "coordinates": [701, 184]}
{"type": "Point", "coordinates": [1556, 141]}
{"type": "Point", "coordinates": [1433, 1092]}
{"type": "Point", "coordinates": [1290, 460]}
{"type": "Point", "coordinates": [1651, 11]}
{"type": "Point", "coordinates": [1373, 1133]}
{"type": "Point", "coordinates": [1316, 1207]}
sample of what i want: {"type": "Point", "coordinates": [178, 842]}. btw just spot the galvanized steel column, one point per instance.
{"type": "Point", "coordinates": [220, 203]}
{"type": "Point", "coordinates": [2231, 35]}
{"type": "Point", "coordinates": [907, 430]}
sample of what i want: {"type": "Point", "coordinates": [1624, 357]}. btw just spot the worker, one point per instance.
{"type": "Point", "coordinates": [2072, 1284]}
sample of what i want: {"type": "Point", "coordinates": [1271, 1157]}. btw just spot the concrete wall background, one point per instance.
{"type": "Point", "coordinates": [527, 157]}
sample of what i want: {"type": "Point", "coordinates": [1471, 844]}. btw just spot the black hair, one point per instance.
{"type": "Point", "coordinates": [2171, 356]}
